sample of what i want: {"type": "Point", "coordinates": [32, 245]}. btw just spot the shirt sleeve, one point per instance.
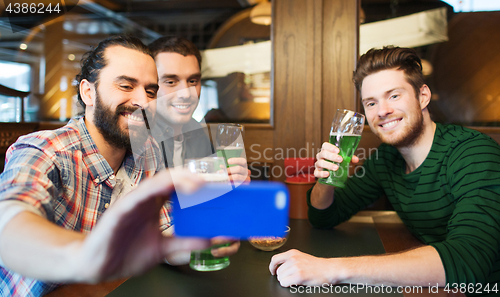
{"type": "Point", "coordinates": [30, 176]}
{"type": "Point", "coordinates": [360, 190]}
{"type": "Point", "coordinates": [165, 217]}
{"type": "Point", "coordinates": [25, 184]}
{"type": "Point", "coordinates": [472, 245]}
{"type": "Point", "coordinates": [165, 212]}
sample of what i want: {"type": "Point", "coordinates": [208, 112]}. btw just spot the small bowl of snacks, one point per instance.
{"type": "Point", "coordinates": [269, 243]}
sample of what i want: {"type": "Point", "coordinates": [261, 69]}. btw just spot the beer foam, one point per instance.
{"type": "Point", "coordinates": [214, 177]}
{"type": "Point", "coordinates": [228, 148]}
{"type": "Point", "coordinates": [344, 134]}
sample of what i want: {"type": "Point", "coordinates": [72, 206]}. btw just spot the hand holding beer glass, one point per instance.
{"type": "Point", "coordinates": [229, 141]}
{"type": "Point", "coordinates": [345, 134]}
{"type": "Point", "coordinates": [212, 170]}
{"type": "Point", "coordinates": [230, 146]}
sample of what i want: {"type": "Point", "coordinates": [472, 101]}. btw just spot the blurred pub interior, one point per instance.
{"type": "Point", "coordinates": [306, 51]}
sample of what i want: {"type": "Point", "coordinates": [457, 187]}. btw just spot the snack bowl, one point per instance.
{"type": "Point", "coordinates": [269, 243]}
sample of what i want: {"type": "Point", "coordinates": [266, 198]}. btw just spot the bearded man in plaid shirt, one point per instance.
{"type": "Point", "coordinates": [57, 186]}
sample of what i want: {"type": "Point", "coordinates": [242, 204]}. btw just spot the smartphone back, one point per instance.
{"type": "Point", "coordinates": [257, 209]}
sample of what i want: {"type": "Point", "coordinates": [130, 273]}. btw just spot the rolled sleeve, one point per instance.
{"type": "Point", "coordinates": [29, 177]}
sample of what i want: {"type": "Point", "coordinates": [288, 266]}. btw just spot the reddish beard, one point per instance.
{"type": "Point", "coordinates": [408, 136]}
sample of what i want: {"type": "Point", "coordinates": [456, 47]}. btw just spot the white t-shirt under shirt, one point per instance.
{"type": "Point", "coordinates": [178, 140]}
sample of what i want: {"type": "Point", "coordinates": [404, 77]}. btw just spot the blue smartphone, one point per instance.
{"type": "Point", "coordinates": [256, 209]}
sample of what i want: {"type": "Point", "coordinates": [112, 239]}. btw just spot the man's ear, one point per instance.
{"type": "Point", "coordinates": [425, 96]}
{"type": "Point", "coordinates": [87, 91]}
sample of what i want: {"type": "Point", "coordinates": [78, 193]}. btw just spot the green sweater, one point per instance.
{"type": "Point", "coordinates": [451, 202]}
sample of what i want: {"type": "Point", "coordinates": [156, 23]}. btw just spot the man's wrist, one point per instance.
{"type": "Point", "coordinates": [322, 196]}
{"type": "Point", "coordinates": [342, 270]}
{"type": "Point", "coordinates": [79, 266]}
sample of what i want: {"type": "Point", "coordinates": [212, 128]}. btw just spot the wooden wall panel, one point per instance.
{"type": "Point", "coordinates": [340, 53]}
{"type": "Point", "coordinates": [294, 75]}
{"type": "Point", "coordinates": [368, 143]}
{"type": "Point", "coordinates": [465, 83]}
{"type": "Point", "coordinates": [53, 51]}
{"type": "Point", "coordinates": [259, 143]}
{"type": "Point", "coordinates": [315, 50]}
{"type": "Point", "coordinates": [314, 78]}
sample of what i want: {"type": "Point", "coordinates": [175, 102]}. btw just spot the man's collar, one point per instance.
{"type": "Point", "coordinates": [99, 168]}
{"type": "Point", "coordinates": [179, 138]}
{"type": "Point", "coordinates": [166, 130]}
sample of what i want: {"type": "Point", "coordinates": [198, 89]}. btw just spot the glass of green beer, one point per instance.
{"type": "Point", "coordinates": [212, 170]}
{"type": "Point", "coordinates": [345, 134]}
{"type": "Point", "coordinates": [229, 141]}
{"type": "Point", "coordinates": [203, 260]}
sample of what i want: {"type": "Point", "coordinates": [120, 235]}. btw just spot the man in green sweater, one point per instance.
{"type": "Point", "coordinates": [442, 180]}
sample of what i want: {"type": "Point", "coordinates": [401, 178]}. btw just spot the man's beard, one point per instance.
{"type": "Point", "coordinates": [410, 134]}
{"type": "Point", "coordinates": [106, 122]}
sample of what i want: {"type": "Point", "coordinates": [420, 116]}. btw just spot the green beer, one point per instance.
{"type": "Point", "coordinates": [347, 144]}
{"type": "Point", "coordinates": [229, 152]}
{"type": "Point", "coordinates": [203, 260]}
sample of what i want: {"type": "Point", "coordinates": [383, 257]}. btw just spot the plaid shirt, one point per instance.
{"type": "Point", "coordinates": [62, 174]}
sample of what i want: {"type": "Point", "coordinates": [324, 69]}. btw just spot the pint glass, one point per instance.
{"type": "Point", "coordinates": [213, 170]}
{"type": "Point", "coordinates": [345, 134]}
{"type": "Point", "coordinates": [229, 141]}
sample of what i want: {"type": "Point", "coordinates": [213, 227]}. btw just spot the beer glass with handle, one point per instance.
{"type": "Point", "coordinates": [345, 134]}
{"type": "Point", "coordinates": [212, 170]}
{"type": "Point", "coordinates": [229, 141]}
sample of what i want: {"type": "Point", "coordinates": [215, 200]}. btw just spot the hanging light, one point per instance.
{"type": "Point", "coordinates": [261, 13]}
{"type": "Point", "coordinates": [426, 67]}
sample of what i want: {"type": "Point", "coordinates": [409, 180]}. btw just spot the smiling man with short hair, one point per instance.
{"type": "Point", "coordinates": [178, 62]}
{"type": "Point", "coordinates": [442, 180]}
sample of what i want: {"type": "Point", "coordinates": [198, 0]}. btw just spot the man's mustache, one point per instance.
{"type": "Point", "coordinates": [129, 109]}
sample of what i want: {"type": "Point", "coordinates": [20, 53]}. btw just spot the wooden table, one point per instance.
{"type": "Point", "coordinates": [369, 232]}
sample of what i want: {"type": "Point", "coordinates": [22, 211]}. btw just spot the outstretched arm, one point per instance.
{"type": "Point", "coordinates": [417, 267]}
{"type": "Point", "coordinates": [126, 241]}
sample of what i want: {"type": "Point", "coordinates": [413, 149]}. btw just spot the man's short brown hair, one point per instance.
{"type": "Point", "coordinates": [390, 57]}
{"type": "Point", "coordinates": [175, 44]}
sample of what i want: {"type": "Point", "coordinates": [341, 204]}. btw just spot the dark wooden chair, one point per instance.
{"type": "Point", "coordinates": [9, 132]}
{"type": "Point", "coordinates": [6, 91]}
